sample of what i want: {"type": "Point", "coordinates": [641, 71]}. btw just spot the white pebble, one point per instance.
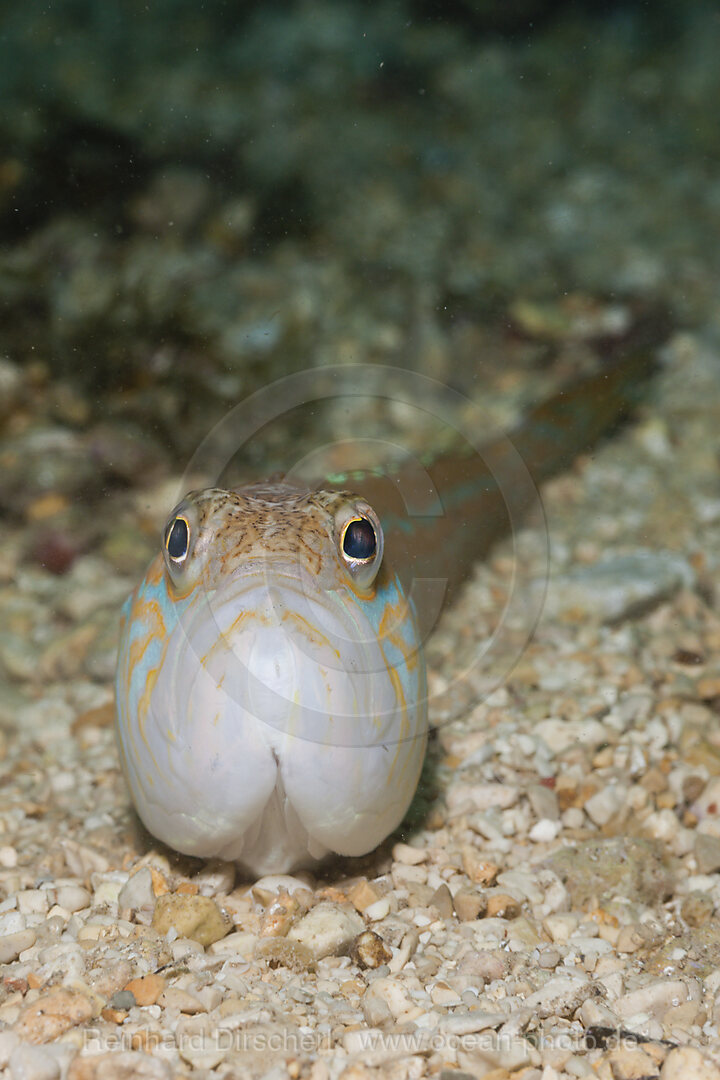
{"type": "Point", "coordinates": [587, 945]}
{"type": "Point", "coordinates": [687, 1063]}
{"type": "Point", "coordinates": [12, 922]}
{"type": "Point", "coordinates": [483, 796]}
{"type": "Point", "coordinates": [522, 885]}
{"type": "Point", "coordinates": [544, 831]}
{"type": "Point", "coordinates": [8, 1041]}
{"type": "Point", "coordinates": [137, 893]}
{"type": "Point", "coordinates": [560, 926]}
{"type": "Point", "coordinates": [275, 883]}
{"type": "Point", "coordinates": [72, 897]}
{"type": "Point", "coordinates": [654, 999]}
{"type": "Point", "coordinates": [63, 781]}
{"type": "Point", "coordinates": [560, 994]}
{"type": "Point", "coordinates": [392, 992]}
{"type": "Point", "coordinates": [33, 1063]}
{"type": "Point", "coordinates": [662, 825]}
{"type": "Point", "coordinates": [327, 929]}
{"type": "Point", "coordinates": [107, 892]}
{"type": "Point", "coordinates": [241, 943]}
{"type": "Point", "coordinates": [33, 901]}
{"type": "Point", "coordinates": [604, 804]}
{"type": "Point", "coordinates": [182, 948]}
{"type": "Point", "coordinates": [411, 856]}
{"type": "Point", "coordinates": [444, 995]}
{"type": "Point", "coordinates": [378, 910]}
{"type": "Point", "coordinates": [8, 857]}
{"type": "Point", "coordinates": [11, 945]}
{"type": "Point", "coordinates": [216, 877]}
{"type": "Point", "coordinates": [573, 818]}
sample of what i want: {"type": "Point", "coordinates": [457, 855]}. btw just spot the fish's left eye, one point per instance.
{"type": "Point", "coordinates": [359, 541]}
{"type": "Point", "coordinates": [177, 539]}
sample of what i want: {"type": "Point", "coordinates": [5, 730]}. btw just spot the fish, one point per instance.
{"type": "Point", "coordinates": [271, 691]}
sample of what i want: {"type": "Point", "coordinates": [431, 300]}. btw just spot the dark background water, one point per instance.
{"type": "Point", "coordinates": [473, 148]}
{"type": "Point", "coordinates": [198, 199]}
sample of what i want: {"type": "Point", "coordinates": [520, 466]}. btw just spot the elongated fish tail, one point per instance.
{"type": "Point", "coordinates": [477, 491]}
{"type": "Point", "coordinates": [557, 431]}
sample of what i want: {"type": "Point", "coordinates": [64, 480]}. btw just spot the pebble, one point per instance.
{"type": "Point", "coordinates": [242, 943]}
{"type": "Point", "coordinates": [502, 906]}
{"type": "Point", "coordinates": [378, 910]}
{"type": "Point", "coordinates": [176, 998]}
{"type": "Point", "coordinates": [72, 897]}
{"type": "Point", "coordinates": [8, 857]}
{"type": "Point", "coordinates": [632, 937]}
{"type": "Point", "coordinates": [544, 831]}
{"type": "Point", "coordinates": [11, 945]}
{"type": "Point", "coordinates": [369, 950]}
{"type": "Point", "coordinates": [630, 1063]}
{"type": "Point", "coordinates": [123, 1000]}
{"type": "Point", "coordinates": [549, 958]}
{"type": "Point", "coordinates": [146, 990]}
{"type": "Point", "coordinates": [606, 803]}
{"type": "Point", "coordinates": [82, 861]}
{"type": "Point", "coordinates": [327, 929]}
{"type": "Point", "coordinates": [362, 895]}
{"type": "Point", "coordinates": [411, 856]}
{"type": "Point", "coordinates": [707, 853]}
{"type": "Point", "coordinates": [33, 901]}
{"type": "Point", "coordinates": [697, 908]}
{"type": "Point", "coordinates": [442, 901]}
{"type": "Point", "coordinates": [619, 586]}
{"type": "Point", "coordinates": [196, 917]}
{"type": "Point", "coordinates": [216, 878]}
{"type": "Point", "coordinates": [266, 889]}
{"type": "Point", "coordinates": [480, 871]}
{"type": "Point", "coordinates": [561, 926]}
{"type": "Point", "coordinates": [204, 1050]}
{"type": "Point", "coordinates": [687, 1063]}
{"type": "Point", "coordinates": [634, 868]}
{"type": "Point", "coordinates": [442, 994]}
{"type": "Point", "coordinates": [33, 1063]}
{"type": "Point", "coordinates": [279, 916]}
{"type": "Point", "coordinates": [408, 946]}
{"type": "Point", "coordinates": [655, 998]}
{"type": "Point", "coordinates": [392, 994]}
{"type": "Point", "coordinates": [544, 802]}
{"type": "Point", "coordinates": [137, 893]}
{"type": "Point", "coordinates": [8, 1042]}
{"type": "Point", "coordinates": [52, 1014]}
{"type": "Point", "coordinates": [562, 995]}
{"type": "Point", "coordinates": [483, 965]}
{"type": "Point", "coordinates": [120, 1065]}
{"type": "Point", "coordinates": [483, 796]}
{"type": "Point", "coordinates": [558, 735]}
{"type": "Point", "coordinates": [470, 904]}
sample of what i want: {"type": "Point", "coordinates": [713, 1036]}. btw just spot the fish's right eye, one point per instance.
{"type": "Point", "coordinates": [177, 539]}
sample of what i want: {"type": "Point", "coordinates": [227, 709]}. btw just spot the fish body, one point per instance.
{"type": "Point", "coordinates": [271, 690]}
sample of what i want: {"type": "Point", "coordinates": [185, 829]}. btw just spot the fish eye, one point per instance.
{"type": "Point", "coordinates": [359, 541]}
{"type": "Point", "coordinates": [177, 539]}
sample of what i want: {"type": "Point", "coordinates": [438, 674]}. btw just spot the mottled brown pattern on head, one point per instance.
{"type": "Point", "coordinates": [263, 521]}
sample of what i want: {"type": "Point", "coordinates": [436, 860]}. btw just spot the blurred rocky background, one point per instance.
{"type": "Point", "coordinates": [197, 200]}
